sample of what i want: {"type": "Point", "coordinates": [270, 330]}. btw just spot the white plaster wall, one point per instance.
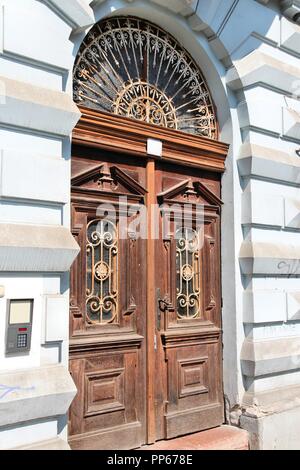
{"type": "Point", "coordinates": [22, 435]}
{"type": "Point", "coordinates": [36, 119]}
{"type": "Point", "coordinates": [268, 97]}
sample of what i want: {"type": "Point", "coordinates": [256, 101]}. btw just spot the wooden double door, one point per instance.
{"type": "Point", "coordinates": [145, 339]}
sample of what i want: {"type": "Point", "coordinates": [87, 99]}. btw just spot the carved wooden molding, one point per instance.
{"type": "Point", "coordinates": [127, 181]}
{"type": "Point", "coordinates": [211, 260]}
{"type": "Point", "coordinates": [130, 256]}
{"type": "Point", "coordinates": [105, 391]}
{"type": "Point", "coordinates": [175, 190]}
{"type": "Point", "coordinates": [107, 179]}
{"type": "Point", "coordinates": [197, 368]}
{"type": "Point", "coordinates": [121, 341]}
{"type": "Point", "coordinates": [211, 198]}
{"type": "Point", "coordinates": [116, 133]}
{"type": "Point", "coordinates": [175, 337]}
{"type": "Point", "coordinates": [85, 176]}
{"type": "Point", "coordinates": [190, 188]}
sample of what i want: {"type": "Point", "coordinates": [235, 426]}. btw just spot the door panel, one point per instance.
{"type": "Point", "coordinates": [107, 351]}
{"type": "Point", "coordinates": [106, 404]}
{"type": "Point", "coordinates": [189, 387]}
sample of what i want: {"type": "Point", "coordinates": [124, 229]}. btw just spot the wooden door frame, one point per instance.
{"type": "Point", "coordinates": [110, 132]}
{"type": "Point", "coordinates": [123, 135]}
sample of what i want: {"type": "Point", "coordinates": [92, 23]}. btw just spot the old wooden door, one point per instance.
{"type": "Point", "coordinates": [145, 339]}
{"type": "Point", "coordinates": [188, 388]}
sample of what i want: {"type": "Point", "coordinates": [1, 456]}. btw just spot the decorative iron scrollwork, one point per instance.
{"type": "Point", "coordinates": [102, 272]}
{"type": "Point", "coordinates": [188, 273]}
{"type": "Point", "coordinates": [133, 68]}
{"type": "Point", "coordinates": [144, 102]}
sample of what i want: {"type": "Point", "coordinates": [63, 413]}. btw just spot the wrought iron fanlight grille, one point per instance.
{"type": "Point", "coordinates": [133, 68]}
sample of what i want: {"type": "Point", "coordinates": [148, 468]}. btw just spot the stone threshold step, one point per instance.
{"type": "Point", "coordinates": [221, 438]}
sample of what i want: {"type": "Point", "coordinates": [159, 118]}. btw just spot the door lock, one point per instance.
{"type": "Point", "coordinates": [164, 304]}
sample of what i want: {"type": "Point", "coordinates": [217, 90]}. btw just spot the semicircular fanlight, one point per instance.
{"type": "Point", "coordinates": [133, 68]}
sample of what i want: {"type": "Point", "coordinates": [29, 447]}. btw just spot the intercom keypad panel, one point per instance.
{"type": "Point", "coordinates": [22, 341]}
{"type": "Point", "coordinates": [19, 326]}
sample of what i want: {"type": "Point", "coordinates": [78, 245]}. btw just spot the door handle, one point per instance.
{"type": "Point", "coordinates": [163, 305]}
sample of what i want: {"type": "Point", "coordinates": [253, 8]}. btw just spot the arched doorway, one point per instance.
{"type": "Point", "coordinates": [145, 344]}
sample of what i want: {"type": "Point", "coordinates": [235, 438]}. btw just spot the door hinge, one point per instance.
{"type": "Point", "coordinates": [155, 342]}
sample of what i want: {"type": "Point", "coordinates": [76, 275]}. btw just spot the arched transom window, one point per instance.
{"type": "Point", "coordinates": [133, 68]}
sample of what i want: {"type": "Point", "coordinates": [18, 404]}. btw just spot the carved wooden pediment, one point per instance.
{"type": "Point", "coordinates": [189, 191]}
{"type": "Point", "coordinates": [105, 178]}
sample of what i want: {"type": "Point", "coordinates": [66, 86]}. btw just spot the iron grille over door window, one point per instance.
{"type": "Point", "coordinates": [188, 273]}
{"type": "Point", "coordinates": [133, 68]}
{"type": "Point", "coordinates": [102, 272]}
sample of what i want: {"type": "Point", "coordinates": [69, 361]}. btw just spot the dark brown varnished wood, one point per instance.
{"type": "Point", "coordinates": [119, 134]}
{"type": "Point", "coordinates": [151, 375]}
{"type": "Point", "coordinates": [189, 386]}
{"type": "Point", "coordinates": [151, 306]}
{"type": "Point", "coordinates": [107, 361]}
